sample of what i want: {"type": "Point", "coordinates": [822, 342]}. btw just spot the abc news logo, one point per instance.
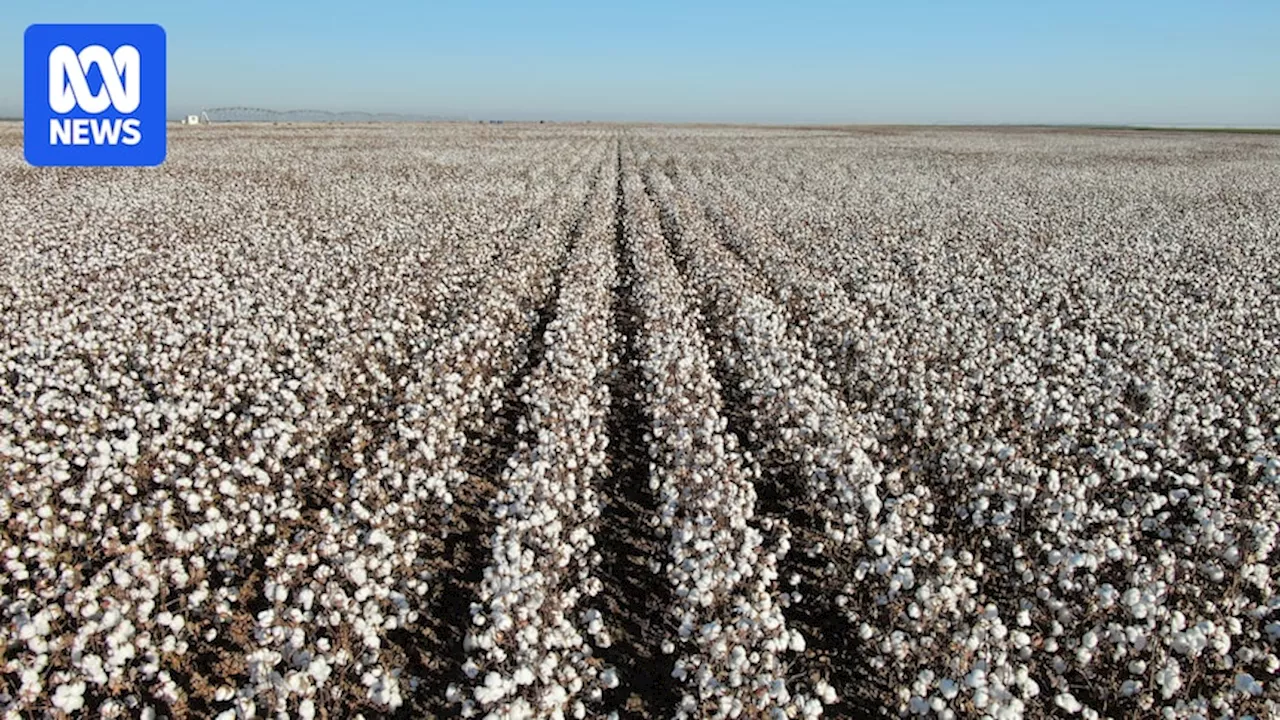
{"type": "Point", "coordinates": [69, 89]}
{"type": "Point", "coordinates": [94, 95]}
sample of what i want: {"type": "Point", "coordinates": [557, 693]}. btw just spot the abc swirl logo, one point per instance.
{"type": "Point", "coordinates": [94, 95]}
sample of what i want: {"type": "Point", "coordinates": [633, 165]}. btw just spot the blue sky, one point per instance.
{"type": "Point", "coordinates": [1172, 62]}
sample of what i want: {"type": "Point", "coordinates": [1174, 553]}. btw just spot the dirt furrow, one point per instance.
{"type": "Point", "coordinates": [464, 544]}
{"type": "Point", "coordinates": [633, 587]}
{"type": "Point", "coordinates": [813, 584]}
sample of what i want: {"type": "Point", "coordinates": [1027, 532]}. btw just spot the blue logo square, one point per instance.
{"type": "Point", "coordinates": [94, 95]}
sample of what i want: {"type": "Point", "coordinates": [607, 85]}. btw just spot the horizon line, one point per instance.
{"type": "Point", "coordinates": [410, 119]}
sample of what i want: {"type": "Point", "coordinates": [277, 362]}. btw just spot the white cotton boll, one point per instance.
{"type": "Point", "coordinates": [797, 643]}
{"type": "Point", "coordinates": [554, 696]}
{"type": "Point", "coordinates": [825, 692]}
{"type": "Point", "coordinates": [871, 501]}
{"type": "Point", "coordinates": [69, 697]}
{"type": "Point", "coordinates": [1245, 683]}
{"type": "Point", "coordinates": [487, 695]}
{"type": "Point", "coordinates": [1090, 640]}
{"type": "Point", "coordinates": [1068, 702]}
{"type": "Point", "coordinates": [319, 670]}
{"type": "Point", "coordinates": [981, 698]}
{"type": "Point", "coordinates": [1137, 638]}
{"type": "Point", "coordinates": [1169, 679]}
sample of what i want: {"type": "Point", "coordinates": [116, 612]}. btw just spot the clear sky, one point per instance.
{"type": "Point", "coordinates": [1033, 61]}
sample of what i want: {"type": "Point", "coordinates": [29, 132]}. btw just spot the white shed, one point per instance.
{"type": "Point", "coordinates": [193, 119]}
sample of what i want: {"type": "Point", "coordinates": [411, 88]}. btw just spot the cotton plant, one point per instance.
{"type": "Point", "coordinates": [233, 423]}
{"type": "Point", "coordinates": [253, 403]}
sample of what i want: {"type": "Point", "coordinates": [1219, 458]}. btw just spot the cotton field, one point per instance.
{"type": "Point", "coordinates": [539, 421]}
